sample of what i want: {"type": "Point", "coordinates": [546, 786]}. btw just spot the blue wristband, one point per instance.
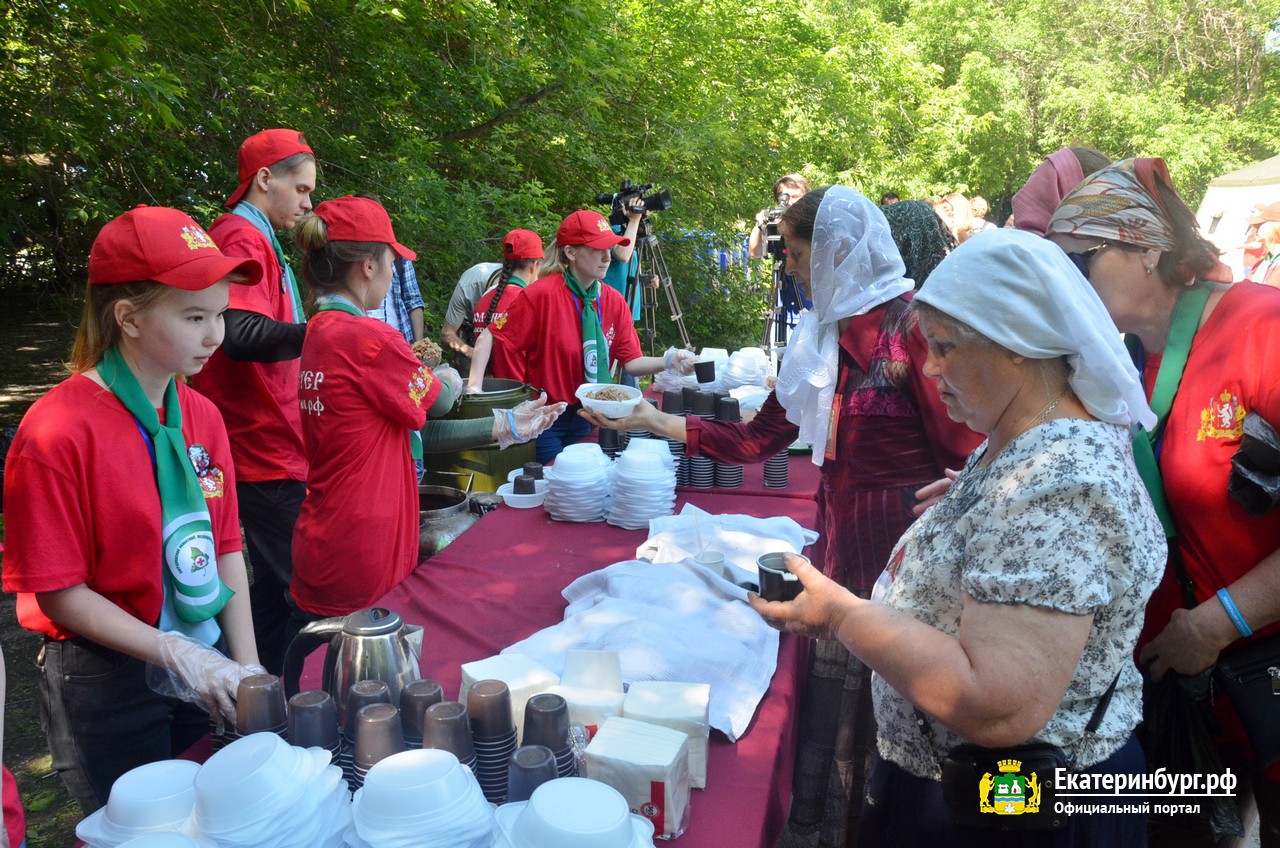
{"type": "Point", "coordinates": [1233, 613]}
{"type": "Point", "coordinates": [515, 433]}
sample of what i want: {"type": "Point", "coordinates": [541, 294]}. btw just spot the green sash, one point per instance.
{"type": "Point", "coordinates": [595, 347]}
{"type": "Point", "coordinates": [1182, 330]}
{"type": "Point", "coordinates": [255, 216]}
{"type": "Point", "coordinates": [188, 551]}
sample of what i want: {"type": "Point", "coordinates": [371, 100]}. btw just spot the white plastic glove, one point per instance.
{"type": "Point", "coordinates": [527, 421]}
{"type": "Point", "coordinates": [449, 375]}
{"type": "Point", "coordinates": [201, 675]}
{"type": "Point", "coordinates": [680, 361]}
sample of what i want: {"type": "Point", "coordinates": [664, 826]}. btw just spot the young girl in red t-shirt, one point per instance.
{"type": "Point", "coordinates": [122, 539]}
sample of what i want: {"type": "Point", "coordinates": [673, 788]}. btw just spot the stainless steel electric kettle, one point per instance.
{"type": "Point", "coordinates": [370, 644]}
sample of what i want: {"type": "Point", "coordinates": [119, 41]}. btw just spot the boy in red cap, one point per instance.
{"type": "Point", "coordinates": [122, 538]}
{"type": "Point", "coordinates": [253, 378]}
{"type": "Point", "coordinates": [571, 329]}
{"type": "Point", "coordinates": [521, 258]}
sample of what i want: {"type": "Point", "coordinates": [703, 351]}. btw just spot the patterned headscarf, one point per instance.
{"type": "Point", "coordinates": [854, 267]}
{"type": "Point", "coordinates": [922, 238]}
{"type": "Point", "coordinates": [1034, 203]}
{"type": "Point", "coordinates": [1121, 203]}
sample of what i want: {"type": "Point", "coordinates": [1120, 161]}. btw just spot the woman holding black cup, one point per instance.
{"type": "Point", "coordinates": [857, 354]}
{"type": "Point", "coordinates": [1010, 610]}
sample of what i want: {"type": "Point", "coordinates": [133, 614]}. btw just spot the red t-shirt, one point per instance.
{"type": "Point", "coordinates": [545, 323]}
{"type": "Point", "coordinates": [259, 400]}
{"type": "Point", "coordinates": [504, 362]}
{"type": "Point", "coordinates": [1230, 371]}
{"type": "Point", "coordinates": [15, 818]}
{"type": "Point", "coordinates": [81, 504]}
{"type": "Point", "coordinates": [361, 391]}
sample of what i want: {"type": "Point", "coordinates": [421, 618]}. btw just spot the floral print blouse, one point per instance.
{"type": "Point", "coordinates": [1061, 520]}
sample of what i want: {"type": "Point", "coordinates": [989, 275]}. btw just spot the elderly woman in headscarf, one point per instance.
{"type": "Point", "coordinates": [1207, 351]}
{"type": "Point", "coordinates": [852, 387]}
{"type": "Point", "coordinates": [1015, 601]}
{"type": "Point", "coordinates": [921, 236]}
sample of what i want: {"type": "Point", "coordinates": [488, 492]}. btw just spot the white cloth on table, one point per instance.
{"type": "Point", "coordinates": [676, 621]}
{"type": "Point", "coordinates": [741, 538]}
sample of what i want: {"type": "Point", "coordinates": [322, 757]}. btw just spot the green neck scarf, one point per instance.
{"type": "Point", "coordinates": [1182, 330]}
{"type": "Point", "coordinates": [187, 546]}
{"type": "Point", "coordinates": [288, 282]}
{"type": "Point", "coordinates": [595, 347]}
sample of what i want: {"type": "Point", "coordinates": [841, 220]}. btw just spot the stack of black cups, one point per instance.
{"type": "Point", "coordinates": [313, 722]}
{"type": "Point", "coordinates": [673, 404]}
{"type": "Point", "coordinates": [359, 696]}
{"type": "Point", "coordinates": [702, 470]}
{"type": "Point", "coordinates": [493, 733]}
{"type": "Point", "coordinates": [775, 470]}
{"type": "Point", "coordinates": [378, 734]}
{"type": "Point", "coordinates": [610, 442]}
{"type": "Point", "coordinates": [728, 476]}
{"type": "Point", "coordinates": [546, 723]}
{"type": "Point", "coordinates": [415, 698]}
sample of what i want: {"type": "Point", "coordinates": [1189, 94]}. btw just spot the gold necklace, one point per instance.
{"type": "Point", "coordinates": [1049, 407]}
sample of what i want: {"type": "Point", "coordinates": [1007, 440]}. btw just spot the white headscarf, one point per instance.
{"type": "Point", "coordinates": [1024, 294]}
{"type": "Point", "coordinates": [854, 267]}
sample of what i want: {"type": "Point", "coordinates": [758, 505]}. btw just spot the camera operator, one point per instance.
{"type": "Point", "coordinates": [786, 191]}
{"type": "Point", "coordinates": [624, 264]}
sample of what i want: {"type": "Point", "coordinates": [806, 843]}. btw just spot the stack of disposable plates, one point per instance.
{"type": "Point", "coordinates": [418, 798]}
{"type": "Point", "coordinates": [260, 790]}
{"type": "Point", "coordinates": [746, 367]}
{"type": "Point", "coordinates": [578, 484]}
{"type": "Point", "coordinates": [643, 486]}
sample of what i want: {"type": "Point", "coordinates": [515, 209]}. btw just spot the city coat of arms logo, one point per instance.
{"type": "Point", "coordinates": [1009, 793]}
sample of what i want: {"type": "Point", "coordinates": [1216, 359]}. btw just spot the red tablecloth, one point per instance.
{"type": "Point", "coordinates": [501, 581]}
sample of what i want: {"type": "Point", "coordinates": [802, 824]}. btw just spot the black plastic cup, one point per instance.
{"type": "Point", "coordinates": [530, 767]}
{"type": "Point", "coordinates": [447, 727]}
{"type": "Point", "coordinates": [415, 698]}
{"type": "Point", "coordinates": [489, 707]}
{"type": "Point", "coordinates": [776, 582]}
{"type": "Point", "coordinates": [379, 734]}
{"type": "Point", "coordinates": [673, 402]}
{"type": "Point", "coordinates": [524, 484]}
{"type": "Point", "coordinates": [546, 722]}
{"type": "Point", "coordinates": [705, 371]}
{"type": "Point", "coordinates": [313, 720]}
{"type": "Point", "coordinates": [360, 695]}
{"type": "Point", "coordinates": [260, 705]}
{"type": "Point", "coordinates": [533, 469]}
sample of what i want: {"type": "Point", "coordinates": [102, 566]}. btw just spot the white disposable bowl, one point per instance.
{"type": "Point", "coordinates": [255, 776]}
{"type": "Point", "coordinates": [406, 788]}
{"type": "Point", "coordinates": [609, 408]}
{"type": "Point", "coordinates": [167, 840]}
{"type": "Point", "coordinates": [151, 798]}
{"type": "Point", "coordinates": [510, 498]}
{"type": "Point", "coordinates": [574, 812]}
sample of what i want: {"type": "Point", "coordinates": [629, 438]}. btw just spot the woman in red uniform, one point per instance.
{"type": "Point", "coordinates": [570, 329]}
{"type": "Point", "coordinates": [362, 391]}
{"type": "Point", "coordinates": [521, 252]}
{"type": "Point", "coordinates": [1137, 242]}
{"type": "Point", "coordinates": [122, 539]}
{"type": "Point", "coordinates": [855, 357]}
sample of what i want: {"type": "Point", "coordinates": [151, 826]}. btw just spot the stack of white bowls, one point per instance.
{"type": "Point", "coordinates": [572, 812]}
{"type": "Point", "coordinates": [150, 799]}
{"type": "Point", "coordinates": [746, 367]}
{"type": "Point", "coordinates": [168, 840]}
{"type": "Point", "coordinates": [262, 791]}
{"type": "Point", "coordinates": [423, 797]}
{"type": "Point", "coordinates": [578, 484]}
{"type": "Point", "coordinates": [643, 484]}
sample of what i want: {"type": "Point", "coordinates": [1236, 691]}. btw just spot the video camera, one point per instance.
{"type": "Point", "coordinates": [621, 200]}
{"type": "Point", "coordinates": [773, 244]}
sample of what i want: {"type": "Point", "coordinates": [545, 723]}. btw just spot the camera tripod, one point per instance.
{"type": "Point", "coordinates": [650, 265]}
{"type": "Point", "coordinates": [776, 323]}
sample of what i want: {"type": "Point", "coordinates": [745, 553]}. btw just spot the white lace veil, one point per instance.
{"type": "Point", "coordinates": [854, 267]}
{"type": "Point", "coordinates": [1024, 294]}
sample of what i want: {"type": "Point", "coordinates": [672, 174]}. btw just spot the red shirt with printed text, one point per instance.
{"type": "Point", "coordinates": [360, 391]}
{"type": "Point", "coordinates": [504, 362]}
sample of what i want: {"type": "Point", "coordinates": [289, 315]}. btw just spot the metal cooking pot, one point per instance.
{"type": "Point", "coordinates": [447, 512]}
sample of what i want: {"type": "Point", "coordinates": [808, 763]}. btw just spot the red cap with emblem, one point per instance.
{"type": "Point", "coordinates": [589, 228]}
{"type": "Point", "coordinates": [166, 246]}
{"type": "Point", "coordinates": [354, 218]}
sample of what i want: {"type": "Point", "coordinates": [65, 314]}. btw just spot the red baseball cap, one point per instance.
{"type": "Point", "coordinates": [354, 218]}
{"type": "Point", "coordinates": [264, 149]}
{"type": "Point", "coordinates": [164, 245]}
{"type": "Point", "coordinates": [589, 228]}
{"type": "Point", "coordinates": [522, 244]}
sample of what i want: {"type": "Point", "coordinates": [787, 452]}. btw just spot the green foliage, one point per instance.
{"type": "Point", "coordinates": [470, 117]}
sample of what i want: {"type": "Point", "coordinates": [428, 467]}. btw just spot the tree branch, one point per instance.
{"type": "Point", "coordinates": [517, 106]}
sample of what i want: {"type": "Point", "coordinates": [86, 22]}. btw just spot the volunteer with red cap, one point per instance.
{"type": "Point", "coordinates": [253, 378]}
{"type": "Point", "coordinates": [521, 252]}
{"type": "Point", "coordinates": [570, 329]}
{"type": "Point", "coordinates": [121, 531]}
{"type": "Point", "coordinates": [362, 390]}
